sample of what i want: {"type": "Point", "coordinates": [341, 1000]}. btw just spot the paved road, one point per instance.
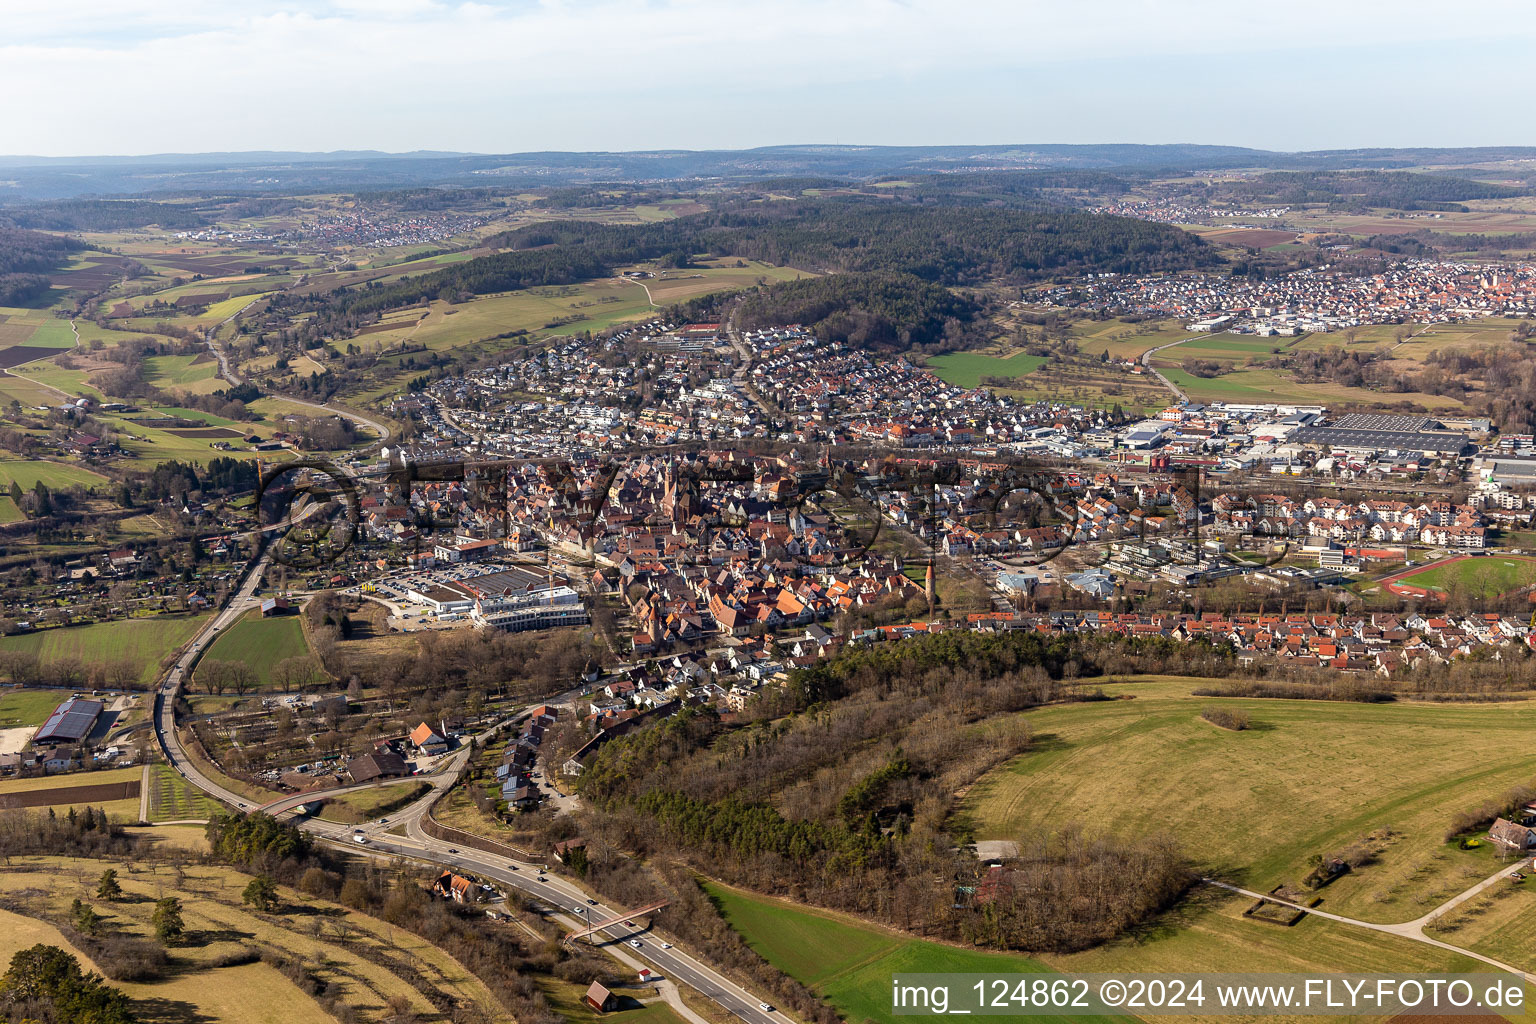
{"type": "Point", "coordinates": [1146, 360]}
{"type": "Point", "coordinates": [566, 898]}
{"type": "Point", "coordinates": [526, 877]}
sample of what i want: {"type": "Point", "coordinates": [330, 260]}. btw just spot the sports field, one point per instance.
{"type": "Point", "coordinates": [261, 643]}
{"type": "Point", "coordinates": [144, 642]}
{"type": "Point", "coordinates": [966, 369]}
{"type": "Point", "coordinates": [1486, 576]}
{"type": "Point", "coordinates": [1309, 778]}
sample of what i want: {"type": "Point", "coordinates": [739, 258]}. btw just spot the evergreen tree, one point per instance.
{"type": "Point", "coordinates": [169, 927]}
{"type": "Point", "coordinates": [108, 888]}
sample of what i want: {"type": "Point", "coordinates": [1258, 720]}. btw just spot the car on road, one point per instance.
{"type": "Point", "coordinates": [591, 903]}
{"type": "Point", "coordinates": [666, 945]}
{"type": "Point", "coordinates": [765, 1007]}
{"type": "Point", "coordinates": [635, 943]}
{"type": "Point", "coordinates": [383, 821]}
{"type": "Point", "coordinates": [453, 849]}
{"type": "Point", "coordinates": [541, 878]}
{"type": "Point", "coordinates": [360, 839]}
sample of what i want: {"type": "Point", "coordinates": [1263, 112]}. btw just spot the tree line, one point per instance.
{"type": "Point", "coordinates": [1400, 190]}
{"type": "Point", "coordinates": [105, 215]}
{"type": "Point", "coordinates": [26, 258]}
{"type": "Point", "coordinates": [840, 791]}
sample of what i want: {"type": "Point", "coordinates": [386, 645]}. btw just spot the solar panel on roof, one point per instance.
{"type": "Point", "coordinates": [72, 720]}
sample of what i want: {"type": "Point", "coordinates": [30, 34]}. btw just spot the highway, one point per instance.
{"type": "Point", "coordinates": [526, 877]}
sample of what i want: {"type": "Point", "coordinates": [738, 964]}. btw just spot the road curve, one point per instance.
{"type": "Point", "coordinates": [526, 877]}
{"type": "Point", "coordinates": [1146, 360]}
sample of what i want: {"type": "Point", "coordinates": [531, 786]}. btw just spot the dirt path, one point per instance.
{"type": "Point", "coordinates": [642, 284]}
{"type": "Point", "coordinates": [144, 795]}
{"type": "Point", "coordinates": [1413, 930]}
{"type": "Point", "coordinates": [49, 387]}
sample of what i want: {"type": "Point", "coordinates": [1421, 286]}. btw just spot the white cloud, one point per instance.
{"type": "Point", "coordinates": [104, 75]}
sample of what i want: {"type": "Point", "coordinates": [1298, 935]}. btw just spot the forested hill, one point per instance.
{"type": "Point", "coordinates": [918, 247]}
{"type": "Point", "coordinates": [869, 311]}
{"type": "Point", "coordinates": [944, 244]}
{"type": "Point", "coordinates": [105, 215]}
{"type": "Point", "coordinates": [1397, 190]}
{"type": "Point", "coordinates": [25, 259]}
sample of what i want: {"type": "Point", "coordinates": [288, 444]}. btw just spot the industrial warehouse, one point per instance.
{"type": "Point", "coordinates": [1370, 432]}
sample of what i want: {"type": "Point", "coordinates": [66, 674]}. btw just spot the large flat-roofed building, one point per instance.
{"type": "Point", "coordinates": [71, 722]}
{"type": "Point", "coordinates": [1511, 471]}
{"type": "Point", "coordinates": [1373, 432]}
{"type": "Point", "coordinates": [517, 599]}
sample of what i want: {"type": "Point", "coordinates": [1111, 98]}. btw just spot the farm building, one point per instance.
{"type": "Point", "coordinates": [71, 722]}
{"type": "Point", "coordinates": [275, 606]}
{"type": "Point", "coordinates": [382, 765]}
{"type": "Point", "coordinates": [600, 999]}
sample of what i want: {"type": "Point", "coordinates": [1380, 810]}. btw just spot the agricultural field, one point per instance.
{"type": "Point", "coordinates": [1499, 922]}
{"type": "Point", "coordinates": [43, 783]}
{"type": "Point", "coordinates": [197, 374]}
{"type": "Point", "coordinates": [260, 643]}
{"type": "Point", "coordinates": [1486, 217]}
{"type": "Point", "coordinates": [718, 275]}
{"type": "Point", "coordinates": [172, 798]}
{"type": "Point", "coordinates": [1262, 384]}
{"type": "Point", "coordinates": [365, 961]}
{"type": "Point", "coordinates": [143, 642]}
{"type": "Point", "coordinates": [1488, 576]}
{"type": "Point", "coordinates": [54, 475]}
{"type": "Point", "coordinates": [846, 961]}
{"type": "Point", "coordinates": [1122, 340]}
{"type": "Point", "coordinates": [590, 306]}
{"type": "Point", "coordinates": [1224, 347]}
{"type": "Point", "coordinates": [1245, 238]}
{"type": "Point", "coordinates": [67, 786]}
{"type": "Point", "coordinates": [1400, 772]}
{"type": "Point", "coordinates": [850, 962]}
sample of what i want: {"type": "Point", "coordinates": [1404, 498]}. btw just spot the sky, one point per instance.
{"type": "Point", "coordinates": [122, 77]}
